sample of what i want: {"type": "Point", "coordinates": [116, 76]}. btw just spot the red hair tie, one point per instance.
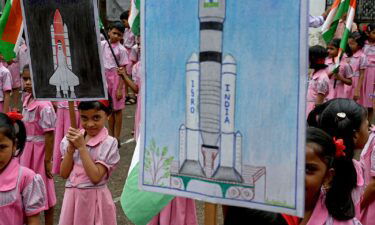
{"type": "Point", "coordinates": [104, 102]}
{"type": "Point", "coordinates": [14, 116]}
{"type": "Point", "coordinates": [340, 147]}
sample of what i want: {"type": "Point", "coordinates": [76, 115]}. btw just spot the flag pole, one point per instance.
{"type": "Point", "coordinates": [72, 115]}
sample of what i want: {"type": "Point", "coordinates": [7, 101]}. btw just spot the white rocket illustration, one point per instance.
{"type": "Point", "coordinates": [63, 77]}
{"type": "Point", "coordinates": [210, 146]}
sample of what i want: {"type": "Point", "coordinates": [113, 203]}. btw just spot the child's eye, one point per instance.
{"type": "Point", "coordinates": [310, 169]}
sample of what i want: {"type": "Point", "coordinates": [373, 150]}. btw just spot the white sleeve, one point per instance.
{"type": "Point", "coordinates": [315, 21]}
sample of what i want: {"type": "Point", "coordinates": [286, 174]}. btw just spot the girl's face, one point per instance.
{"type": "Point", "coordinates": [317, 175]}
{"type": "Point", "coordinates": [7, 149]}
{"type": "Point", "coordinates": [361, 136]}
{"type": "Point", "coordinates": [353, 45]}
{"type": "Point", "coordinates": [93, 121]}
{"type": "Point", "coordinates": [26, 80]}
{"type": "Point", "coordinates": [115, 35]}
{"type": "Point", "coordinates": [332, 51]}
{"type": "Point", "coordinates": [371, 35]}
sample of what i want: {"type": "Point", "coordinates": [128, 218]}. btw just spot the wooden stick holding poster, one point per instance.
{"type": "Point", "coordinates": [224, 129]}
{"type": "Point", "coordinates": [210, 211]}
{"type": "Point", "coordinates": [72, 115]}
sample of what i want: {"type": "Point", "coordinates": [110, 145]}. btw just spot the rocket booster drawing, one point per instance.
{"type": "Point", "coordinates": [210, 146]}
{"type": "Point", "coordinates": [63, 77]}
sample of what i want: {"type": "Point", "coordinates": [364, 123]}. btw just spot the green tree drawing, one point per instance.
{"type": "Point", "coordinates": [157, 163]}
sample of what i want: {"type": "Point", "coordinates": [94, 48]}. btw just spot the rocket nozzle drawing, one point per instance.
{"type": "Point", "coordinates": [63, 77]}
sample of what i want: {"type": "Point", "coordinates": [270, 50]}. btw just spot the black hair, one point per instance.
{"type": "Point", "coordinates": [317, 52]}
{"type": "Point", "coordinates": [237, 215]}
{"type": "Point", "coordinates": [370, 27]}
{"type": "Point", "coordinates": [117, 25]}
{"type": "Point", "coordinates": [124, 15]}
{"type": "Point", "coordinates": [335, 42]}
{"type": "Point", "coordinates": [327, 148]}
{"type": "Point", "coordinates": [25, 67]}
{"type": "Point", "coordinates": [8, 129]}
{"type": "Point", "coordinates": [340, 118]}
{"type": "Point", "coordinates": [94, 105]}
{"type": "Point", "coordinates": [359, 37]}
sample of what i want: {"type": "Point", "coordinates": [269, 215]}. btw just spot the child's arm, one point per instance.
{"type": "Point", "coordinates": [94, 171]}
{"type": "Point", "coordinates": [319, 99]}
{"type": "Point", "coordinates": [119, 89]}
{"type": "Point", "coordinates": [67, 162]}
{"type": "Point", "coordinates": [122, 72]}
{"type": "Point", "coordinates": [357, 90]}
{"type": "Point", "coordinates": [49, 140]}
{"type": "Point", "coordinates": [369, 194]}
{"type": "Point", "coordinates": [33, 220]}
{"type": "Point", "coordinates": [6, 101]}
{"type": "Point", "coordinates": [347, 81]}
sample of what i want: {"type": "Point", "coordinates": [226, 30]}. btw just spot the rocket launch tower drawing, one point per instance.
{"type": "Point", "coordinates": [63, 77]}
{"type": "Point", "coordinates": [210, 149]}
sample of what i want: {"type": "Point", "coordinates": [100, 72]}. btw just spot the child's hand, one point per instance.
{"type": "Point", "coordinates": [48, 168]}
{"type": "Point", "coordinates": [357, 94]}
{"type": "Point", "coordinates": [119, 95]}
{"type": "Point", "coordinates": [121, 71]}
{"type": "Point", "coordinates": [76, 138]}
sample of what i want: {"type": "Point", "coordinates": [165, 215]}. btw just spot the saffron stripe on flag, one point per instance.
{"type": "Point", "coordinates": [13, 25]}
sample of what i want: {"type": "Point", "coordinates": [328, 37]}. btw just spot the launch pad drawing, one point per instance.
{"type": "Point", "coordinates": [63, 77]}
{"type": "Point", "coordinates": [210, 149]}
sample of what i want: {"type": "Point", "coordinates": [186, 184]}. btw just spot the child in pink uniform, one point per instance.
{"type": "Point", "coordinates": [368, 162]}
{"type": "Point", "coordinates": [347, 120]}
{"type": "Point", "coordinates": [342, 77]}
{"type": "Point", "coordinates": [62, 125]}
{"type": "Point", "coordinates": [369, 83]}
{"type": "Point", "coordinates": [89, 158]}
{"type": "Point", "coordinates": [5, 86]}
{"type": "Point", "coordinates": [22, 192]}
{"type": "Point", "coordinates": [358, 62]}
{"type": "Point", "coordinates": [39, 118]}
{"type": "Point", "coordinates": [318, 80]}
{"type": "Point", "coordinates": [327, 198]}
{"type": "Point", "coordinates": [116, 87]}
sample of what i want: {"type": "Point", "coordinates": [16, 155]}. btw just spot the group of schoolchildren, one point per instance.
{"type": "Point", "coordinates": [34, 145]}
{"type": "Point", "coordinates": [40, 142]}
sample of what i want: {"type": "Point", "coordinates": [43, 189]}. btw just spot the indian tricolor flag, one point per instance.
{"type": "Point", "coordinates": [329, 27]}
{"type": "Point", "coordinates": [135, 17]}
{"type": "Point", "coordinates": [10, 28]}
{"type": "Point", "coordinates": [338, 9]}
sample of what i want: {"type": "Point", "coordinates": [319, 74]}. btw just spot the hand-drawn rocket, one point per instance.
{"type": "Point", "coordinates": [209, 145]}
{"type": "Point", "coordinates": [63, 77]}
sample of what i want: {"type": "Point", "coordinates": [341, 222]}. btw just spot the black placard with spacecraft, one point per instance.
{"type": "Point", "coordinates": [63, 38]}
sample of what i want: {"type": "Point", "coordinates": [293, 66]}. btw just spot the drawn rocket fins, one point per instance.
{"type": "Point", "coordinates": [58, 77]}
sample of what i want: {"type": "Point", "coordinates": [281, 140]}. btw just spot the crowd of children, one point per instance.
{"type": "Point", "coordinates": [40, 142]}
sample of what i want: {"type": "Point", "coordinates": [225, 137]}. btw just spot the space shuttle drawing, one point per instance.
{"type": "Point", "coordinates": [63, 77]}
{"type": "Point", "coordinates": [210, 149]}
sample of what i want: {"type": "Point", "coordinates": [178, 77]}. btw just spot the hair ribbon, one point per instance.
{"type": "Point", "coordinates": [340, 147]}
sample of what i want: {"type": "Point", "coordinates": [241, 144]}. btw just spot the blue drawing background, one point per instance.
{"type": "Point", "coordinates": [267, 79]}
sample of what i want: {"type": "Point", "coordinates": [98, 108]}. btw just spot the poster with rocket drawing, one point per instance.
{"type": "Point", "coordinates": [224, 101]}
{"type": "Point", "coordinates": [63, 37]}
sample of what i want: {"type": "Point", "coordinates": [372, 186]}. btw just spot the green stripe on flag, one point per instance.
{"type": "Point", "coordinates": [135, 18]}
{"type": "Point", "coordinates": [141, 206]}
{"type": "Point", "coordinates": [330, 33]}
{"type": "Point", "coordinates": [4, 17]}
